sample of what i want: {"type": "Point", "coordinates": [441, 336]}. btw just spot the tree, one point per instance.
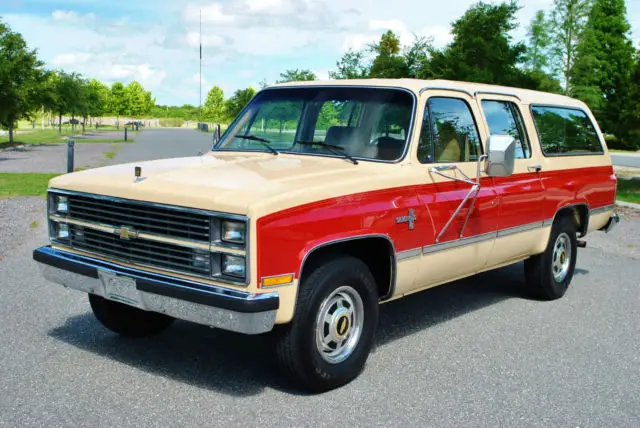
{"type": "Point", "coordinates": [21, 75]}
{"type": "Point", "coordinates": [214, 105]}
{"type": "Point", "coordinates": [118, 101]}
{"type": "Point", "coordinates": [388, 62]}
{"type": "Point", "coordinates": [69, 95]}
{"type": "Point", "coordinates": [482, 49]}
{"type": "Point", "coordinates": [296, 76]}
{"type": "Point", "coordinates": [538, 43]}
{"type": "Point", "coordinates": [603, 64]}
{"type": "Point", "coordinates": [351, 66]}
{"type": "Point", "coordinates": [239, 99]}
{"type": "Point", "coordinates": [137, 103]}
{"type": "Point", "coordinates": [568, 19]}
{"type": "Point", "coordinates": [631, 114]}
{"type": "Point", "coordinates": [97, 98]}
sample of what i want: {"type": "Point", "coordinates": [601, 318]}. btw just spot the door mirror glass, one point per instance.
{"type": "Point", "coordinates": [502, 154]}
{"type": "Point", "coordinates": [216, 134]}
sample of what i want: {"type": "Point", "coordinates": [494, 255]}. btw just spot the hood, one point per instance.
{"type": "Point", "coordinates": [242, 183]}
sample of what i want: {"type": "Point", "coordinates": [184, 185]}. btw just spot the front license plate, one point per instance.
{"type": "Point", "coordinates": [120, 288]}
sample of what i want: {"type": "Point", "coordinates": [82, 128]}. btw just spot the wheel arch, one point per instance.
{"type": "Point", "coordinates": [579, 213]}
{"type": "Point", "coordinates": [377, 251]}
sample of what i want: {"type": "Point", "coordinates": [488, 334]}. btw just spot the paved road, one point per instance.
{"type": "Point", "coordinates": [150, 144]}
{"type": "Point", "coordinates": [627, 159]}
{"type": "Point", "coordinates": [473, 353]}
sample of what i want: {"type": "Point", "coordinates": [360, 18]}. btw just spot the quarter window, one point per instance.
{"type": "Point", "coordinates": [565, 131]}
{"type": "Point", "coordinates": [449, 132]}
{"type": "Point", "coordinates": [504, 118]}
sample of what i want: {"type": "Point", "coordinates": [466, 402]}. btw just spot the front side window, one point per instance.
{"type": "Point", "coordinates": [364, 123]}
{"type": "Point", "coordinates": [504, 118]}
{"type": "Point", "coordinates": [565, 131]}
{"type": "Point", "coordinates": [449, 132]}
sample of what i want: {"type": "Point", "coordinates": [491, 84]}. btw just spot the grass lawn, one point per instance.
{"type": "Point", "coordinates": [629, 190]}
{"type": "Point", "coordinates": [24, 184]}
{"type": "Point", "coordinates": [51, 136]}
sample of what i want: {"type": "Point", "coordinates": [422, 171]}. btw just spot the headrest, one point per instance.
{"type": "Point", "coordinates": [344, 136]}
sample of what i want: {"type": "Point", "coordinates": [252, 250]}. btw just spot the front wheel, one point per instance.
{"type": "Point", "coordinates": [549, 274]}
{"type": "Point", "coordinates": [127, 320]}
{"type": "Point", "coordinates": [333, 329]}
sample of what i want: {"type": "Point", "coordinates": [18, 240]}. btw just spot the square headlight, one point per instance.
{"type": "Point", "coordinates": [233, 266]}
{"type": "Point", "coordinates": [58, 204]}
{"type": "Point", "coordinates": [234, 232]}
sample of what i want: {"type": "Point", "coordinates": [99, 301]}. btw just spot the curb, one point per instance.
{"type": "Point", "coordinates": [628, 205]}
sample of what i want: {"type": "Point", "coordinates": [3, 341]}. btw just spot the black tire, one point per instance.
{"type": "Point", "coordinates": [127, 320]}
{"type": "Point", "coordinates": [296, 348]}
{"type": "Point", "coordinates": [539, 269]}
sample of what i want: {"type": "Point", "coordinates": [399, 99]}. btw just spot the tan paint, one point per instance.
{"type": "Point", "coordinates": [257, 184]}
{"type": "Point", "coordinates": [597, 221]}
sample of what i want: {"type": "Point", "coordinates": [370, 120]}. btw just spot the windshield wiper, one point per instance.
{"type": "Point", "coordinates": [332, 148]}
{"type": "Point", "coordinates": [263, 141]}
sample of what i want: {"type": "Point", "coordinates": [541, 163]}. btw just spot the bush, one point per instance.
{"type": "Point", "coordinates": [632, 142]}
{"type": "Point", "coordinates": [171, 122]}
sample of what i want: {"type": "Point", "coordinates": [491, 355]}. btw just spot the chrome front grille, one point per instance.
{"type": "Point", "coordinates": [156, 220]}
{"type": "Point", "coordinates": [171, 238]}
{"type": "Point", "coordinates": [148, 253]}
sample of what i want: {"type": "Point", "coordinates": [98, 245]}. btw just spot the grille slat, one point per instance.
{"type": "Point", "coordinates": [156, 220]}
{"type": "Point", "coordinates": [161, 221]}
{"type": "Point", "coordinates": [134, 251]}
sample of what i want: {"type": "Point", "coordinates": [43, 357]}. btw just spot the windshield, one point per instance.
{"type": "Point", "coordinates": [361, 123]}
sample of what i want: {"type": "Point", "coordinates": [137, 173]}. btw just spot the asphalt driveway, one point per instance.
{"type": "Point", "coordinates": [471, 353]}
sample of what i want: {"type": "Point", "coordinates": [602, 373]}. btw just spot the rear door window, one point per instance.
{"type": "Point", "coordinates": [565, 131]}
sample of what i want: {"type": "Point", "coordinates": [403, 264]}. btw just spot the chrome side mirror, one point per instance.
{"type": "Point", "coordinates": [216, 134]}
{"type": "Point", "coordinates": [502, 154]}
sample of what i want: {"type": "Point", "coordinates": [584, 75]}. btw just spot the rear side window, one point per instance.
{"type": "Point", "coordinates": [449, 132]}
{"type": "Point", "coordinates": [504, 118]}
{"type": "Point", "coordinates": [565, 131]}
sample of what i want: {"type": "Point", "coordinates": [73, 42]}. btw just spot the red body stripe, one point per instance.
{"type": "Point", "coordinates": [285, 237]}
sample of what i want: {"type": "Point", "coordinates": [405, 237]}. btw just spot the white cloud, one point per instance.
{"type": "Point", "coordinates": [72, 59]}
{"type": "Point", "coordinates": [64, 15]}
{"type": "Point", "coordinates": [210, 14]}
{"type": "Point", "coordinates": [193, 39]}
{"type": "Point", "coordinates": [246, 74]}
{"type": "Point", "coordinates": [266, 6]}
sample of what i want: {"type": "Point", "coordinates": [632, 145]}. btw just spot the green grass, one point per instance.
{"type": "Point", "coordinates": [110, 155]}
{"type": "Point", "coordinates": [34, 224]}
{"type": "Point", "coordinates": [629, 190]}
{"type": "Point", "coordinates": [24, 184]}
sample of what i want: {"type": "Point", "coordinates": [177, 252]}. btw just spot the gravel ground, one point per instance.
{"type": "Point", "coordinates": [53, 157]}
{"type": "Point", "coordinates": [21, 217]}
{"type": "Point", "coordinates": [471, 353]}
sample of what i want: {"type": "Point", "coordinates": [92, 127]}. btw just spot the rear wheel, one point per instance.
{"type": "Point", "coordinates": [127, 320]}
{"type": "Point", "coordinates": [549, 274]}
{"type": "Point", "coordinates": [332, 332]}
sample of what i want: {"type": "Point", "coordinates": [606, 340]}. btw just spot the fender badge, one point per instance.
{"type": "Point", "coordinates": [411, 218]}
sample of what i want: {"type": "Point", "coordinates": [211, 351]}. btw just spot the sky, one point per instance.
{"type": "Point", "coordinates": [156, 42]}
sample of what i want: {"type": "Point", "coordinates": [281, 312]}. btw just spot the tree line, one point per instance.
{"type": "Point", "coordinates": [581, 48]}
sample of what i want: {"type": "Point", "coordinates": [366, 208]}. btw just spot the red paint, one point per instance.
{"type": "Point", "coordinates": [285, 237]}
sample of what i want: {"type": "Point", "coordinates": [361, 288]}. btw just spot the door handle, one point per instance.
{"type": "Point", "coordinates": [534, 168]}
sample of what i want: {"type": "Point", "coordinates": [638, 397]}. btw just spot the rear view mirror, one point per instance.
{"type": "Point", "coordinates": [502, 154]}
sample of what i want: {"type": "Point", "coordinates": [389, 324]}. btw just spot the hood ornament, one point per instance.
{"type": "Point", "coordinates": [138, 171]}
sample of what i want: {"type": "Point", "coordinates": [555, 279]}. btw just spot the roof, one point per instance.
{"type": "Point", "coordinates": [527, 96]}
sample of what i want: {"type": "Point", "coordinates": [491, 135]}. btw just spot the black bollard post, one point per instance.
{"type": "Point", "coordinates": [125, 133]}
{"type": "Point", "coordinates": [70, 153]}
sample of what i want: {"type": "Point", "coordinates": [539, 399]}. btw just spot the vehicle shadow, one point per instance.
{"type": "Point", "coordinates": [242, 365]}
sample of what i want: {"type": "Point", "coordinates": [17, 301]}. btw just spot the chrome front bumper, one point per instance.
{"type": "Point", "coordinates": [197, 302]}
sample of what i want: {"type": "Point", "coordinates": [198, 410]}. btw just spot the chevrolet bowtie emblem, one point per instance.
{"type": "Point", "coordinates": [126, 232]}
{"type": "Point", "coordinates": [411, 218]}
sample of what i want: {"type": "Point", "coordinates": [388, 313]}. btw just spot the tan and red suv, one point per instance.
{"type": "Point", "coordinates": [324, 199]}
